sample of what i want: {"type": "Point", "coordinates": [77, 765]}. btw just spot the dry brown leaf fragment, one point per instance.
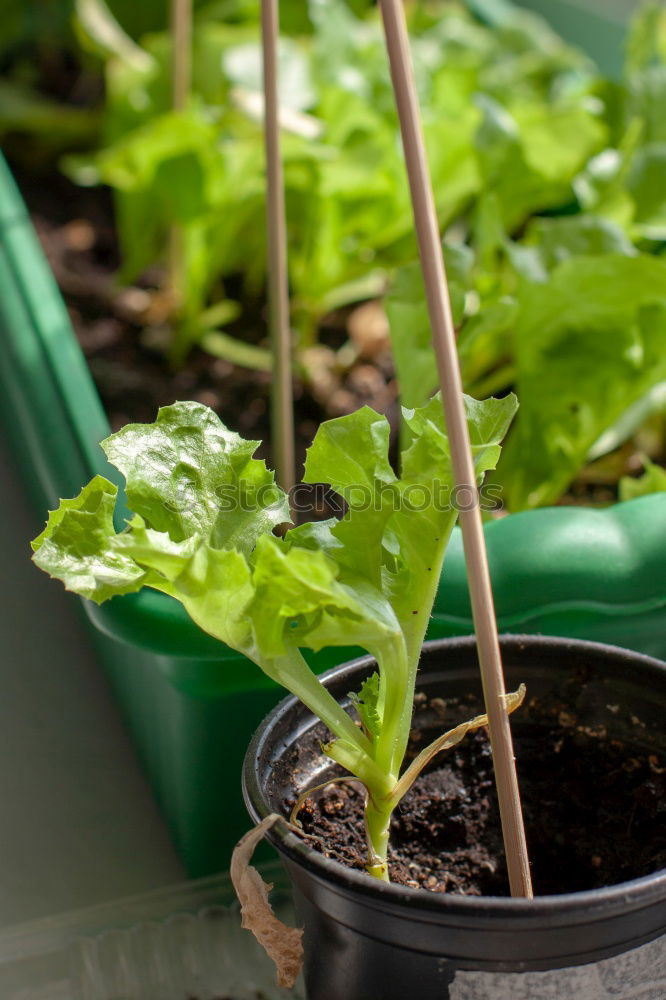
{"type": "Point", "coordinates": [447, 741]}
{"type": "Point", "coordinates": [281, 943]}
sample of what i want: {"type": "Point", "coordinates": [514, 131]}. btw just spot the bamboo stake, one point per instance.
{"type": "Point", "coordinates": [443, 333]}
{"type": "Point", "coordinates": [282, 417]}
{"type": "Point", "coordinates": [181, 80]}
{"type": "Point", "coordinates": [181, 59]}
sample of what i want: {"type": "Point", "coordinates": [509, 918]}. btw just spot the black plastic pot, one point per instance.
{"type": "Point", "coordinates": [366, 940]}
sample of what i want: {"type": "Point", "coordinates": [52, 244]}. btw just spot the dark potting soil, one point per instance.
{"type": "Point", "coordinates": [594, 806]}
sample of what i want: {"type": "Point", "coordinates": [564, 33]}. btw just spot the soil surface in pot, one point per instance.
{"type": "Point", "coordinates": [594, 806]}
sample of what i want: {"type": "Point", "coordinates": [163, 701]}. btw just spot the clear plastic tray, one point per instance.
{"type": "Point", "coordinates": [183, 942]}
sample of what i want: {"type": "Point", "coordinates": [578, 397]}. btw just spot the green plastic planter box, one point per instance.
{"type": "Point", "coordinates": [597, 26]}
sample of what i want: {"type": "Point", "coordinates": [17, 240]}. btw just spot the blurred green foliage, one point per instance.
{"type": "Point", "coordinates": [549, 184]}
{"type": "Point", "coordinates": [569, 310]}
{"type": "Point", "coordinates": [509, 107]}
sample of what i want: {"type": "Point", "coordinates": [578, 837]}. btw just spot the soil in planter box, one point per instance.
{"type": "Point", "coordinates": [594, 806]}
{"type": "Point", "coordinates": [124, 332]}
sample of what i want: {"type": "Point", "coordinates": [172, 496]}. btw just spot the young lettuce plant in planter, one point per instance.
{"type": "Point", "coordinates": [202, 531]}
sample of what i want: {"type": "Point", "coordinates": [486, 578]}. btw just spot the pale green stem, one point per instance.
{"type": "Point", "coordinates": [362, 766]}
{"type": "Point", "coordinates": [415, 626]}
{"type": "Point", "coordinates": [293, 673]}
{"type": "Point", "coordinates": [396, 684]}
{"type": "Point", "coordinates": [398, 668]}
{"type": "Point", "coordinates": [414, 630]}
{"type": "Point", "coordinates": [354, 750]}
{"type": "Point", "coordinates": [379, 806]}
{"type": "Point", "coordinates": [377, 827]}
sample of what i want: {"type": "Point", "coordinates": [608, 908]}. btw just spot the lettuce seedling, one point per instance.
{"type": "Point", "coordinates": [202, 531]}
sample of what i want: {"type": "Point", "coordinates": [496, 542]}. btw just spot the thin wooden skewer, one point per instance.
{"type": "Point", "coordinates": [278, 281]}
{"type": "Point", "coordinates": [181, 78]}
{"type": "Point", "coordinates": [443, 333]}
{"type": "Point", "coordinates": [181, 59]}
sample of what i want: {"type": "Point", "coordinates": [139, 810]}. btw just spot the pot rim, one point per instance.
{"type": "Point", "coordinates": [635, 892]}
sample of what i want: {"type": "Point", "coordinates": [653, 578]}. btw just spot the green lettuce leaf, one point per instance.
{"type": "Point", "coordinates": [188, 475]}
{"type": "Point", "coordinates": [589, 343]}
{"type": "Point", "coordinates": [78, 546]}
{"type": "Point", "coordinates": [201, 502]}
{"type": "Point", "coordinates": [366, 703]}
{"type": "Point", "coordinates": [408, 318]}
{"type": "Point", "coordinates": [300, 599]}
{"type": "Point", "coordinates": [351, 454]}
{"type": "Point", "coordinates": [646, 38]}
{"type": "Point", "coordinates": [418, 544]}
{"type": "Point", "coordinates": [549, 242]}
{"type": "Point", "coordinates": [406, 519]}
{"type": "Point", "coordinates": [652, 480]}
{"type": "Point", "coordinates": [645, 184]}
{"type": "Point", "coordinates": [529, 155]}
{"type": "Point", "coordinates": [213, 585]}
